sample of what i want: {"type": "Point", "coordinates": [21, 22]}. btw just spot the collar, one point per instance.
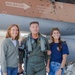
{"type": "Point", "coordinates": [30, 35]}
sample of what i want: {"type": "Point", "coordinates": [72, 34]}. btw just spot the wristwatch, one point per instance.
{"type": "Point", "coordinates": [62, 69]}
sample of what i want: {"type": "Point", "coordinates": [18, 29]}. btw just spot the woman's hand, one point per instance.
{"type": "Point", "coordinates": [47, 69]}
{"type": "Point", "coordinates": [48, 52]}
{"type": "Point", "coordinates": [59, 72]}
{"type": "Point", "coordinates": [4, 73]}
{"type": "Point", "coordinates": [20, 68]}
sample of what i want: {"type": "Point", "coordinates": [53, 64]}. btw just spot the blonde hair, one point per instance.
{"type": "Point", "coordinates": [8, 35]}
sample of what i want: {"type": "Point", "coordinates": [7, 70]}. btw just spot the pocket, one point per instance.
{"type": "Point", "coordinates": [52, 65]}
{"type": "Point", "coordinates": [55, 65]}
{"type": "Point", "coordinates": [58, 64]}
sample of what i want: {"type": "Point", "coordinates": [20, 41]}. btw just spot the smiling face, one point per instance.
{"type": "Point", "coordinates": [34, 28]}
{"type": "Point", "coordinates": [14, 32]}
{"type": "Point", "coordinates": [56, 34]}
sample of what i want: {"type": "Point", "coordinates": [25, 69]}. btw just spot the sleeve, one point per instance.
{"type": "Point", "coordinates": [65, 49]}
{"type": "Point", "coordinates": [21, 51]}
{"type": "Point", "coordinates": [4, 49]}
{"type": "Point", "coordinates": [48, 49]}
{"type": "Point", "coordinates": [21, 56]}
{"type": "Point", "coordinates": [47, 44]}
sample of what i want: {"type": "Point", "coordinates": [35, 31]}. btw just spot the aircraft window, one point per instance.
{"type": "Point", "coordinates": [65, 1]}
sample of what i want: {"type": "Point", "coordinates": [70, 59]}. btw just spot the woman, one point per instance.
{"type": "Point", "coordinates": [59, 54]}
{"type": "Point", "coordinates": [9, 51]}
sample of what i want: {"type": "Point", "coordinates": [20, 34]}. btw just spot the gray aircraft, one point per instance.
{"type": "Point", "coordinates": [67, 29]}
{"type": "Point", "coordinates": [61, 15]}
